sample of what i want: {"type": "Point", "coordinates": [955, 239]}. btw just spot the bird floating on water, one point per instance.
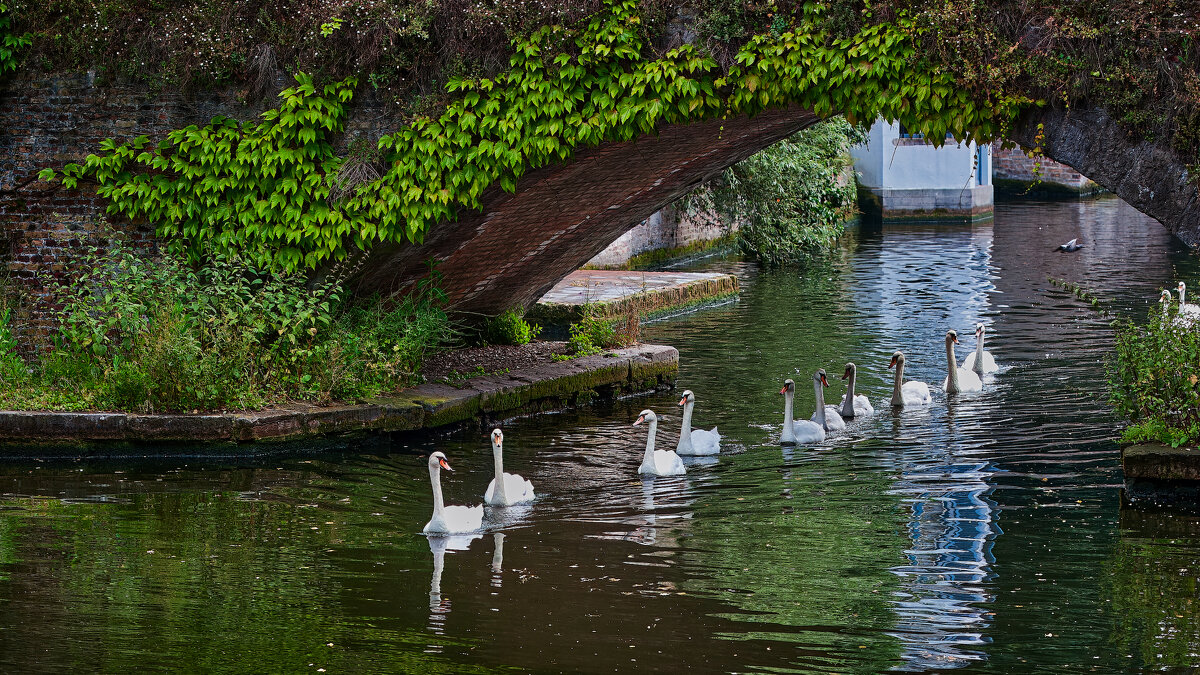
{"type": "Point", "coordinates": [1070, 246]}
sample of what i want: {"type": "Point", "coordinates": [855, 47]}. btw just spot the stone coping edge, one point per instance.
{"type": "Point", "coordinates": [1159, 462]}
{"type": "Point", "coordinates": [548, 386]}
{"type": "Point", "coordinates": [647, 303]}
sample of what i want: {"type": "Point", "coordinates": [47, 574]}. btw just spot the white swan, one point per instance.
{"type": "Point", "coordinates": [912, 393]}
{"type": "Point", "coordinates": [980, 361]}
{"type": "Point", "coordinates": [826, 415]}
{"type": "Point", "coordinates": [657, 462]}
{"type": "Point", "coordinates": [695, 441]}
{"type": "Point", "coordinates": [449, 519]}
{"type": "Point", "coordinates": [799, 431]}
{"type": "Point", "coordinates": [958, 379]}
{"type": "Point", "coordinates": [1185, 308]}
{"type": "Point", "coordinates": [505, 489]}
{"type": "Point", "coordinates": [1187, 315]}
{"type": "Point", "coordinates": [852, 405]}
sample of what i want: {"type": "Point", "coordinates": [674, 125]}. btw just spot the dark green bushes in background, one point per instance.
{"type": "Point", "coordinates": [1154, 374]}
{"type": "Point", "coordinates": [792, 198]}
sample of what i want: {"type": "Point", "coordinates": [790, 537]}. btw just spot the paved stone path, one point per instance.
{"type": "Point", "coordinates": [601, 286]}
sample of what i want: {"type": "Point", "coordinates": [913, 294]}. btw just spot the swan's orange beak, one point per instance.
{"type": "Point", "coordinates": [955, 339]}
{"type": "Point", "coordinates": [640, 419]}
{"type": "Point", "coordinates": [824, 381]}
{"type": "Point", "coordinates": [784, 390]}
{"type": "Point", "coordinates": [683, 400]}
{"type": "Point", "coordinates": [445, 465]}
{"type": "Point", "coordinates": [893, 363]}
{"type": "Point", "coordinates": [846, 374]}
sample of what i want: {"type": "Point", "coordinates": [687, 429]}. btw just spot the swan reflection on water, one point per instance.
{"type": "Point", "coordinates": [439, 607]}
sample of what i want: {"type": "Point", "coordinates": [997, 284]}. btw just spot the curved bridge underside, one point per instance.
{"type": "Point", "coordinates": [519, 245]}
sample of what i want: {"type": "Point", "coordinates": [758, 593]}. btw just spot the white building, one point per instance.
{"type": "Point", "coordinates": [907, 178]}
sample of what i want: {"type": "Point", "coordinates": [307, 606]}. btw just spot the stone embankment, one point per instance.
{"type": "Point", "coordinates": [481, 400]}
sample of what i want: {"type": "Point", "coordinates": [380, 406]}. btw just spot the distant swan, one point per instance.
{"type": "Point", "coordinates": [911, 393]}
{"type": "Point", "coordinates": [958, 379]}
{"type": "Point", "coordinates": [1070, 246]}
{"type": "Point", "coordinates": [657, 462]}
{"type": "Point", "coordinates": [505, 489]}
{"type": "Point", "coordinates": [1186, 309]}
{"type": "Point", "coordinates": [449, 519]}
{"type": "Point", "coordinates": [695, 441]}
{"type": "Point", "coordinates": [852, 405]}
{"type": "Point", "coordinates": [826, 415]}
{"type": "Point", "coordinates": [979, 361]}
{"type": "Point", "coordinates": [801, 431]}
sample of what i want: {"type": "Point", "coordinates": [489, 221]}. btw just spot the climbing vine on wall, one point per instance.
{"type": "Point", "coordinates": [265, 189]}
{"type": "Point", "coordinates": [10, 43]}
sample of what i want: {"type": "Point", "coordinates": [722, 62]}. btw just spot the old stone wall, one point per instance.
{"type": "Point", "coordinates": [668, 229]}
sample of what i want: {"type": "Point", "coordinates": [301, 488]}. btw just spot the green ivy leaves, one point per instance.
{"type": "Point", "coordinates": [9, 43]}
{"type": "Point", "coordinates": [264, 189]}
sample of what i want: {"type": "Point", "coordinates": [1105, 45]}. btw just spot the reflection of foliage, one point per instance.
{"type": "Point", "coordinates": [817, 556]}
{"type": "Point", "coordinates": [790, 198]}
{"type": "Point", "coordinates": [1155, 591]}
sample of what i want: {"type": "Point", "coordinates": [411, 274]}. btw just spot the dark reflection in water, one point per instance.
{"type": "Point", "coordinates": [985, 533]}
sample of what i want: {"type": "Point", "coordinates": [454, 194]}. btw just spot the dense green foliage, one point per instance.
{"type": "Point", "coordinates": [565, 88]}
{"type": "Point", "coordinates": [594, 333]}
{"type": "Point", "coordinates": [10, 42]}
{"type": "Point", "coordinates": [792, 197]}
{"type": "Point", "coordinates": [159, 335]}
{"type": "Point", "coordinates": [510, 328]}
{"type": "Point", "coordinates": [1154, 377]}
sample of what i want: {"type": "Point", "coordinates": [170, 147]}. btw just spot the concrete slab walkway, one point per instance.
{"type": "Point", "coordinates": [615, 292]}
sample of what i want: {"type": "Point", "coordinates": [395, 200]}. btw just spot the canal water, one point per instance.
{"type": "Point", "coordinates": [984, 534]}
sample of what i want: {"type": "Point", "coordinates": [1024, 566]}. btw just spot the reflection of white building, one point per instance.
{"type": "Point", "coordinates": [906, 178]}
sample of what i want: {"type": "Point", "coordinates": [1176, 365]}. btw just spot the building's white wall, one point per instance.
{"type": "Point", "coordinates": [884, 164]}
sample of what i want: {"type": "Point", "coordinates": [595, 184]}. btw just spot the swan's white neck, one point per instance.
{"type": "Point", "coordinates": [952, 376]}
{"type": "Point", "coordinates": [897, 394]}
{"type": "Point", "coordinates": [685, 431]}
{"type": "Point", "coordinates": [978, 365]}
{"type": "Point", "coordinates": [848, 406]}
{"type": "Point", "coordinates": [648, 458]}
{"type": "Point", "coordinates": [498, 462]}
{"type": "Point", "coordinates": [1182, 291]}
{"type": "Point", "coordinates": [435, 477]}
{"type": "Point", "coordinates": [820, 396]}
{"type": "Point", "coordinates": [788, 433]}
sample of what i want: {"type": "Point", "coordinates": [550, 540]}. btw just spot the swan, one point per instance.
{"type": "Point", "coordinates": [657, 462]}
{"type": "Point", "coordinates": [1070, 246]}
{"type": "Point", "coordinates": [1186, 309]}
{"type": "Point", "coordinates": [449, 519]}
{"type": "Point", "coordinates": [980, 361]}
{"type": "Point", "coordinates": [800, 431]}
{"type": "Point", "coordinates": [852, 405]}
{"type": "Point", "coordinates": [826, 415]}
{"type": "Point", "coordinates": [958, 379]}
{"type": "Point", "coordinates": [699, 441]}
{"type": "Point", "coordinates": [912, 393]}
{"type": "Point", "coordinates": [505, 489]}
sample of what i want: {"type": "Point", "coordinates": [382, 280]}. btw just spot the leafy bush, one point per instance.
{"type": "Point", "coordinates": [159, 335]}
{"type": "Point", "coordinates": [10, 43]}
{"type": "Point", "coordinates": [1153, 377]}
{"type": "Point", "coordinates": [592, 333]}
{"type": "Point", "coordinates": [790, 198]}
{"type": "Point", "coordinates": [510, 328]}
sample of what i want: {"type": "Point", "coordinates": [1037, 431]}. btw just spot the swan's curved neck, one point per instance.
{"type": "Point", "coordinates": [685, 431]}
{"type": "Point", "coordinates": [952, 375]}
{"type": "Point", "coordinates": [819, 394]}
{"type": "Point", "coordinates": [435, 477]}
{"type": "Point", "coordinates": [897, 394]}
{"type": "Point", "coordinates": [788, 434]}
{"type": "Point", "coordinates": [848, 405]}
{"type": "Point", "coordinates": [498, 462]}
{"type": "Point", "coordinates": [978, 365]}
{"type": "Point", "coordinates": [648, 458]}
{"type": "Point", "coordinates": [1182, 291]}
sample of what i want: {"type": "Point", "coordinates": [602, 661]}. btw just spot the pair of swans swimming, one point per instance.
{"type": "Point", "coordinates": [1188, 314]}
{"type": "Point", "coordinates": [693, 442]}
{"type": "Point", "coordinates": [506, 489]}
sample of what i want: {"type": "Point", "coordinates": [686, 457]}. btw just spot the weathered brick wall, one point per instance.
{"type": "Point", "coordinates": [53, 120]}
{"type": "Point", "coordinates": [1014, 164]}
{"type": "Point", "coordinates": [668, 228]}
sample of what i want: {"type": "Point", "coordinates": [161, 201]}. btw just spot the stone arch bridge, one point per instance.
{"type": "Point", "coordinates": [519, 244]}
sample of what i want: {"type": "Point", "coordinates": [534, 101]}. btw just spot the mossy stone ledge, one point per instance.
{"type": "Point", "coordinates": [480, 401]}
